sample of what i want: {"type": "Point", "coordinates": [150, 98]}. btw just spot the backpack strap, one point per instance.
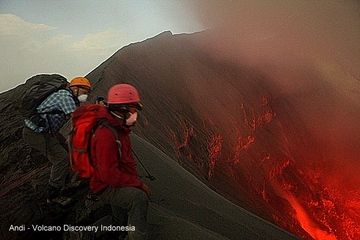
{"type": "Point", "coordinates": [51, 112]}
{"type": "Point", "coordinates": [105, 123]}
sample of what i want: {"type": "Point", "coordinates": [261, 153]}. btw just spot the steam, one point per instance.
{"type": "Point", "coordinates": [286, 35]}
{"type": "Point", "coordinates": [309, 52]}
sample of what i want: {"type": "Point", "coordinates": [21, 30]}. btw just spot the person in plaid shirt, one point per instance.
{"type": "Point", "coordinates": [45, 137]}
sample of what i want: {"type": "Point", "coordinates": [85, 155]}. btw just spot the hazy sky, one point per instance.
{"type": "Point", "coordinates": [73, 37]}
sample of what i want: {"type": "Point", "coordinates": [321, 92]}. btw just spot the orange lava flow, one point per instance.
{"type": "Point", "coordinates": [273, 174]}
{"type": "Point", "coordinates": [306, 222]}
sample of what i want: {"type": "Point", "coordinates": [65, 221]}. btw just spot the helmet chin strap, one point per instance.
{"type": "Point", "coordinates": [128, 122]}
{"type": "Point", "coordinates": [117, 115]}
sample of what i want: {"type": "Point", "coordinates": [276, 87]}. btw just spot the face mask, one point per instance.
{"type": "Point", "coordinates": [132, 119]}
{"type": "Point", "coordinates": [82, 98]}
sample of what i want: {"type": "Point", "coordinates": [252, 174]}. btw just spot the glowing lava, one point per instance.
{"type": "Point", "coordinates": [262, 157]}
{"type": "Point", "coordinates": [306, 222]}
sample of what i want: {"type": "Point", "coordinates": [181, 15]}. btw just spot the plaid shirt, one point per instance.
{"type": "Point", "coordinates": [61, 100]}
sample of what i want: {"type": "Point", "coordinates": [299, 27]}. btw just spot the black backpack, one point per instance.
{"type": "Point", "coordinates": [39, 87]}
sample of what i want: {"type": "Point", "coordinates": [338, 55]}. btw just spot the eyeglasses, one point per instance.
{"type": "Point", "coordinates": [123, 109]}
{"type": "Point", "coordinates": [87, 90]}
{"type": "Point", "coordinates": [126, 107]}
{"type": "Point", "coordinates": [132, 110]}
{"type": "Point", "coordinates": [138, 106]}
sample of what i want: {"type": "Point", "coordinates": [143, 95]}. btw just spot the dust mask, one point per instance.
{"type": "Point", "coordinates": [82, 98]}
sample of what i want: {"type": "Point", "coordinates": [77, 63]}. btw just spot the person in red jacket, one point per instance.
{"type": "Point", "coordinates": [115, 179]}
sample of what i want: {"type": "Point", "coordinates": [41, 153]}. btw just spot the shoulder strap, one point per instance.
{"type": "Point", "coordinates": [52, 112]}
{"type": "Point", "coordinates": [105, 123]}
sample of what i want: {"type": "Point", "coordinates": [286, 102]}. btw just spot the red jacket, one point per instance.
{"type": "Point", "coordinates": [110, 169]}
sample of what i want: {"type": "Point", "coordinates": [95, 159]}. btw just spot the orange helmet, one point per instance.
{"type": "Point", "coordinates": [124, 94]}
{"type": "Point", "coordinates": [80, 81]}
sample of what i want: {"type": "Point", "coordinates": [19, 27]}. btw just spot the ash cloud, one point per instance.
{"type": "Point", "coordinates": [310, 53]}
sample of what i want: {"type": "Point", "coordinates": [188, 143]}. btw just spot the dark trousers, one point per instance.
{"type": "Point", "coordinates": [129, 207]}
{"type": "Point", "coordinates": [50, 147]}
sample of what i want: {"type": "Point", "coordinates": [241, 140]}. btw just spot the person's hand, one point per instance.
{"type": "Point", "coordinates": [146, 190]}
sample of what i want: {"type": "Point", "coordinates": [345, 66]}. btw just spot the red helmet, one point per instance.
{"type": "Point", "coordinates": [123, 94]}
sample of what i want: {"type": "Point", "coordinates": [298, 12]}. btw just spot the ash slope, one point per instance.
{"type": "Point", "coordinates": [242, 133]}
